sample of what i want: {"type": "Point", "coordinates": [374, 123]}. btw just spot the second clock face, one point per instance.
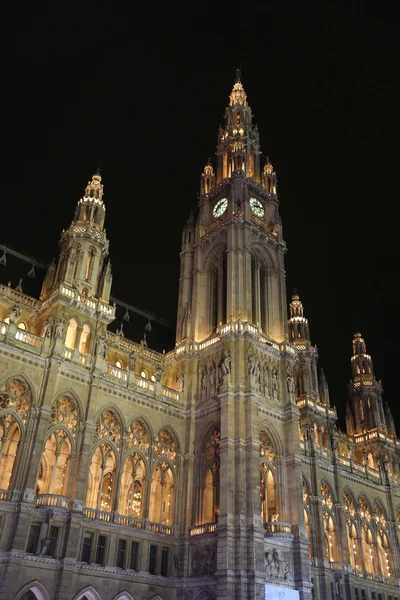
{"type": "Point", "coordinates": [220, 207]}
{"type": "Point", "coordinates": [256, 207]}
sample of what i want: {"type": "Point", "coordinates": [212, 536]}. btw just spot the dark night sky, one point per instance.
{"type": "Point", "coordinates": [146, 89]}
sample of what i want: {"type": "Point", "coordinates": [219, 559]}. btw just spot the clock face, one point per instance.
{"type": "Point", "coordinates": [256, 207]}
{"type": "Point", "coordinates": [220, 207]}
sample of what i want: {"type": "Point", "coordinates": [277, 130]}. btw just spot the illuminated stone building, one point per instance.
{"type": "Point", "coordinates": [212, 470]}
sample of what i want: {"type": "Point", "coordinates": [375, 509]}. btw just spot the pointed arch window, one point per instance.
{"type": "Point", "coordinates": [369, 550]}
{"type": "Point", "coordinates": [331, 542]}
{"type": "Point", "coordinates": [353, 542]}
{"type": "Point", "coordinates": [70, 339]}
{"type": "Point", "coordinates": [307, 517]}
{"type": "Point", "coordinates": [84, 342]}
{"type": "Point", "coordinates": [102, 476]}
{"type": "Point", "coordinates": [268, 479]}
{"type": "Point", "coordinates": [10, 437]}
{"type": "Point", "coordinates": [55, 464]}
{"type": "Point", "coordinates": [89, 264]}
{"type": "Point", "coordinates": [162, 494]}
{"type": "Point", "coordinates": [361, 405]}
{"type": "Point", "coordinates": [218, 289]}
{"type": "Point", "coordinates": [132, 487]}
{"type": "Point", "coordinates": [15, 405]}
{"type": "Point", "coordinates": [385, 554]}
{"type": "Point", "coordinates": [211, 480]}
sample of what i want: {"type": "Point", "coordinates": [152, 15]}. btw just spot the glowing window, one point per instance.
{"type": "Point", "coordinates": [22, 325]}
{"type": "Point", "coordinates": [71, 334]}
{"type": "Point", "coordinates": [118, 364]}
{"type": "Point", "coordinates": [7, 320]}
{"type": "Point", "coordinates": [85, 340]}
{"type": "Point", "coordinates": [143, 374]}
{"type": "Point", "coordinates": [153, 378]}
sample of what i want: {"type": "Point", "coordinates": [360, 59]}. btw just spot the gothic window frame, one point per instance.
{"type": "Point", "coordinates": [141, 458]}
{"type": "Point", "coordinates": [20, 419]}
{"type": "Point", "coordinates": [268, 464]}
{"type": "Point", "coordinates": [74, 336]}
{"type": "Point", "coordinates": [103, 443]}
{"type": "Point", "coordinates": [84, 347]}
{"type": "Point", "coordinates": [210, 464]}
{"type": "Point", "coordinates": [159, 464]}
{"type": "Point", "coordinates": [53, 431]}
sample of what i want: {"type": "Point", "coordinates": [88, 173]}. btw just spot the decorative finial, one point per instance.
{"type": "Point", "coordinates": [238, 76]}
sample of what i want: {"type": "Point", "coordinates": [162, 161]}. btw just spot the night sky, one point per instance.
{"type": "Point", "coordinates": [146, 88]}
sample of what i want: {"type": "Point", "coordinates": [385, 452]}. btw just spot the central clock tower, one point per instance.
{"type": "Point", "coordinates": [232, 257]}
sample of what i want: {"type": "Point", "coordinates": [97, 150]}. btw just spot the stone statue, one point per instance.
{"type": "Point", "coordinates": [212, 378]}
{"type": "Point", "coordinates": [290, 381]}
{"type": "Point", "coordinates": [101, 346]}
{"type": "Point", "coordinates": [224, 367]}
{"type": "Point", "coordinates": [48, 327]}
{"type": "Point", "coordinates": [203, 387]}
{"type": "Point", "coordinates": [132, 360]}
{"type": "Point", "coordinates": [60, 326]}
{"type": "Point", "coordinates": [181, 381]}
{"type": "Point", "coordinates": [275, 382]}
{"type": "Point", "coordinates": [15, 313]}
{"type": "Point", "coordinates": [254, 365]}
{"type": "Point", "coordinates": [159, 373]}
{"type": "Point", "coordinates": [45, 546]}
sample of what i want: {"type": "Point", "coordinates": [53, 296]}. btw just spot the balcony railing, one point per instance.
{"type": "Point", "coordinates": [129, 521]}
{"type": "Point", "coordinates": [114, 517]}
{"type": "Point", "coordinates": [117, 372]}
{"type": "Point", "coordinates": [53, 500]}
{"type": "Point", "coordinates": [278, 529]}
{"type": "Point", "coordinates": [200, 529]}
{"type": "Point", "coordinates": [338, 566]}
{"type": "Point", "coordinates": [4, 494]}
{"type": "Point", "coordinates": [28, 338]}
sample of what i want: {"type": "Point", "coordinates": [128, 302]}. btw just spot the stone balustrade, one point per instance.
{"type": "Point", "coordinates": [53, 500]}
{"type": "Point", "coordinates": [201, 529]}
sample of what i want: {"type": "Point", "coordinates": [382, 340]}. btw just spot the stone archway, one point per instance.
{"type": "Point", "coordinates": [33, 591]}
{"type": "Point", "coordinates": [88, 593]}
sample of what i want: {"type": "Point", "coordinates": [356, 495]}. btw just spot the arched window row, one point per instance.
{"type": "Point", "coordinates": [71, 337]}
{"type": "Point", "coordinates": [130, 472]}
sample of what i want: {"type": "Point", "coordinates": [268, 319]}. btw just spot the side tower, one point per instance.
{"type": "Point", "coordinates": [75, 294]}
{"type": "Point", "coordinates": [232, 257]}
{"type": "Point", "coordinates": [368, 417]}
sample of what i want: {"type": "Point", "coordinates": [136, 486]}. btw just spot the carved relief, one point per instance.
{"type": "Point", "coordinates": [276, 564]}
{"type": "Point", "coordinates": [204, 560]}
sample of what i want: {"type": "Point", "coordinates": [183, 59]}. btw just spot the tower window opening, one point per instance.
{"type": "Point", "coordinates": [84, 340]}
{"type": "Point", "coordinates": [21, 325]}
{"type": "Point", "coordinates": [89, 265]}
{"type": "Point", "coordinates": [72, 330]}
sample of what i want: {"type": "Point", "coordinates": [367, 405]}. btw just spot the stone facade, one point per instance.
{"type": "Point", "coordinates": [205, 472]}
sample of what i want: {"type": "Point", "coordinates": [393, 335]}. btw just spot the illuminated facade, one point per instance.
{"type": "Point", "coordinates": [214, 470]}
